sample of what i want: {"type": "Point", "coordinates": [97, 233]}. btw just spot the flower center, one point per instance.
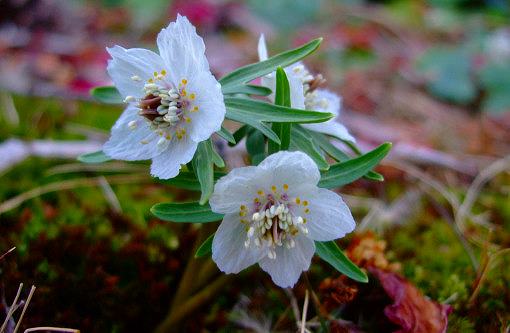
{"type": "Point", "coordinates": [165, 107]}
{"type": "Point", "coordinates": [275, 220]}
{"type": "Point", "coordinates": [310, 85]}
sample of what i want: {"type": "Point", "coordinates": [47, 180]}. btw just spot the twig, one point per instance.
{"type": "Point", "coordinates": [14, 151]}
{"type": "Point", "coordinates": [11, 309]}
{"type": "Point", "coordinates": [32, 290]}
{"type": "Point", "coordinates": [305, 310]}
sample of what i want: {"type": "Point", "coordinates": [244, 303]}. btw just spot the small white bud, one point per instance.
{"type": "Point", "coordinates": [132, 124]}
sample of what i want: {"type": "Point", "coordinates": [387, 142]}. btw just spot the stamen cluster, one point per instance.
{"type": "Point", "coordinates": [310, 85]}
{"type": "Point", "coordinates": [275, 221]}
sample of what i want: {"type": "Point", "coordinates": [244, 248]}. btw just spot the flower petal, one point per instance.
{"type": "Point", "coordinates": [126, 63]}
{"type": "Point", "coordinates": [289, 167]}
{"type": "Point", "coordinates": [182, 50]}
{"type": "Point", "coordinates": [262, 48]}
{"type": "Point", "coordinates": [297, 98]}
{"type": "Point", "coordinates": [129, 144]}
{"type": "Point", "coordinates": [167, 164]}
{"type": "Point", "coordinates": [238, 187]}
{"type": "Point", "coordinates": [228, 251]}
{"type": "Point", "coordinates": [333, 128]}
{"type": "Point", "coordinates": [289, 263]}
{"type": "Point", "coordinates": [211, 108]}
{"type": "Point", "coordinates": [333, 101]}
{"type": "Point", "coordinates": [329, 217]}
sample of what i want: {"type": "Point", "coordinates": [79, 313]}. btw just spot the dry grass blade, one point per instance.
{"type": "Point", "coordinates": [305, 310]}
{"type": "Point", "coordinates": [68, 185]}
{"type": "Point", "coordinates": [6, 253]}
{"type": "Point", "coordinates": [32, 290]}
{"type": "Point", "coordinates": [11, 309]}
{"type": "Point", "coordinates": [52, 329]}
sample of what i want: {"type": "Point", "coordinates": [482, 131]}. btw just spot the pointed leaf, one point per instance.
{"type": "Point", "coordinates": [239, 109]}
{"type": "Point", "coordinates": [331, 253]}
{"type": "Point", "coordinates": [185, 212]}
{"type": "Point", "coordinates": [282, 97]}
{"type": "Point", "coordinates": [300, 140]}
{"type": "Point", "coordinates": [253, 71]}
{"type": "Point", "coordinates": [187, 180]}
{"type": "Point", "coordinates": [205, 248]}
{"type": "Point", "coordinates": [203, 168]}
{"type": "Point", "coordinates": [247, 89]}
{"type": "Point", "coordinates": [95, 157]}
{"type": "Point", "coordinates": [107, 94]}
{"type": "Point", "coordinates": [343, 173]}
{"type": "Point", "coordinates": [225, 134]}
{"type": "Point", "coordinates": [216, 158]}
{"type": "Point", "coordinates": [322, 141]}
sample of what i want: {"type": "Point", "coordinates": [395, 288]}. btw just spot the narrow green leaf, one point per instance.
{"type": "Point", "coordinates": [239, 109]}
{"type": "Point", "coordinates": [240, 133]}
{"type": "Point", "coordinates": [302, 141]}
{"type": "Point", "coordinates": [247, 89]}
{"type": "Point", "coordinates": [343, 173]}
{"type": "Point", "coordinates": [225, 134]}
{"type": "Point", "coordinates": [185, 212]}
{"type": "Point", "coordinates": [203, 168]}
{"type": "Point", "coordinates": [216, 158]}
{"type": "Point", "coordinates": [323, 142]}
{"type": "Point", "coordinates": [107, 94]}
{"type": "Point", "coordinates": [282, 97]}
{"type": "Point", "coordinates": [205, 248]}
{"type": "Point", "coordinates": [187, 180]}
{"type": "Point", "coordinates": [331, 253]}
{"type": "Point", "coordinates": [253, 71]}
{"type": "Point", "coordinates": [256, 145]}
{"type": "Point", "coordinates": [95, 157]}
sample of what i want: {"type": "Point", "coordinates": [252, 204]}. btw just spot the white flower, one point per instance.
{"type": "Point", "coordinates": [305, 94]}
{"type": "Point", "coordinates": [174, 101]}
{"type": "Point", "coordinates": [273, 214]}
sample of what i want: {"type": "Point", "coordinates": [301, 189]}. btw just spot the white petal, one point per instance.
{"type": "Point", "coordinates": [289, 263]}
{"type": "Point", "coordinates": [329, 217]}
{"type": "Point", "coordinates": [238, 187]}
{"type": "Point", "coordinates": [211, 108]}
{"type": "Point", "coordinates": [297, 97]}
{"type": "Point", "coordinates": [182, 50]}
{"type": "Point", "coordinates": [228, 250]}
{"type": "Point", "coordinates": [333, 128]}
{"type": "Point", "coordinates": [126, 63]}
{"type": "Point", "coordinates": [262, 48]}
{"type": "Point", "coordinates": [139, 143]}
{"type": "Point", "coordinates": [289, 168]}
{"type": "Point", "coordinates": [333, 101]}
{"type": "Point", "coordinates": [167, 164]}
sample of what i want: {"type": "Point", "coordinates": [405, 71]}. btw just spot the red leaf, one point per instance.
{"type": "Point", "coordinates": [411, 310]}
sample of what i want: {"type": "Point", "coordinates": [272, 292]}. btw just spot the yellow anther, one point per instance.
{"type": "Point", "coordinates": [155, 73]}
{"type": "Point", "coordinates": [305, 203]}
{"type": "Point", "coordinates": [163, 72]}
{"type": "Point", "coordinates": [285, 187]}
{"type": "Point", "coordinates": [307, 211]}
{"type": "Point", "coordinates": [150, 80]}
{"type": "Point", "coordinates": [256, 200]}
{"type": "Point", "coordinates": [183, 92]}
{"type": "Point", "coordinates": [304, 221]}
{"type": "Point", "coordinates": [243, 207]}
{"type": "Point", "coordinates": [298, 200]}
{"type": "Point", "coordinates": [195, 109]}
{"type": "Point", "coordinates": [192, 96]}
{"type": "Point", "coordinates": [273, 188]}
{"type": "Point", "coordinates": [242, 213]}
{"type": "Point", "coordinates": [184, 81]}
{"type": "Point", "coordinates": [260, 192]}
{"type": "Point", "coordinates": [243, 221]}
{"type": "Point", "coordinates": [187, 119]}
